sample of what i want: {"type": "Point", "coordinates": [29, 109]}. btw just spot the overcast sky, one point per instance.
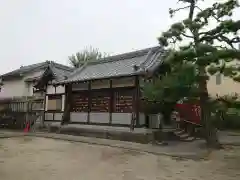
{"type": "Point", "coordinates": [37, 30]}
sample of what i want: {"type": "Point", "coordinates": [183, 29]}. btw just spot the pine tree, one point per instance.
{"type": "Point", "coordinates": [84, 56]}
{"type": "Point", "coordinates": [209, 49]}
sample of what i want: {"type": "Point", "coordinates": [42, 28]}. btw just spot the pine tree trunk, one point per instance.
{"type": "Point", "coordinates": [210, 132]}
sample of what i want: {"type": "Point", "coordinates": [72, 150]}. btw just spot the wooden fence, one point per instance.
{"type": "Point", "coordinates": [15, 113]}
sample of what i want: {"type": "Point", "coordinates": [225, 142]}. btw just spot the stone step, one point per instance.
{"type": "Point", "coordinates": [189, 139]}
{"type": "Point", "coordinates": [179, 132]}
{"type": "Point", "coordinates": [183, 135]}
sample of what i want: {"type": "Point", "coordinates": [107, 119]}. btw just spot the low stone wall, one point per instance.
{"type": "Point", "coordinates": [106, 134]}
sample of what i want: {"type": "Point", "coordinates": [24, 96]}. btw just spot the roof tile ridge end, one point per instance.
{"type": "Point", "coordinates": [150, 52]}
{"type": "Point", "coordinates": [155, 58]}
{"type": "Point", "coordinates": [153, 52]}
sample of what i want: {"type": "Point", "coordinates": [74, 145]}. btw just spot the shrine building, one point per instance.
{"type": "Point", "coordinates": [106, 92]}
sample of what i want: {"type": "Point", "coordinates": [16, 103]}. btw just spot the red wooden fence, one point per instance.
{"type": "Point", "coordinates": [189, 112]}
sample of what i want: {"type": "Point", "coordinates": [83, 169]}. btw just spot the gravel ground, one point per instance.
{"type": "Point", "coordinates": [31, 158]}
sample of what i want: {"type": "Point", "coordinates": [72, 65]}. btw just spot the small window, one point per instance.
{"type": "Point", "coordinates": [55, 103]}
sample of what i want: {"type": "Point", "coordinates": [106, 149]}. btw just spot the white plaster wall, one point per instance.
{"type": "Point", "coordinates": [99, 117]}
{"type": "Point", "coordinates": [13, 88]}
{"type": "Point", "coordinates": [78, 117]}
{"type": "Point", "coordinates": [226, 87]}
{"type": "Point", "coordinates": [142, 119]}
{"type": "Point", "coordinates": [60, 89]}
{"type": "Point", "coordinates": [50, 89]}
{"type": "Point", "coordinates": [58, 116]}
{"type": "Point", "coordinates": [63, 102]}
{"type": "Point", "coordinates": [18, 87]}
{"type": "Point", "coordinates": [121, 118]}
{"type": "Point", "coordinates": [28, 89]}
{"type": "Point", "coordinates": [46, 103]}
{"type": "Point", "coordinates": [48, 116]}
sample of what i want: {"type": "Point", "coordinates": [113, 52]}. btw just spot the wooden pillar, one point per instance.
{"type": "Point", "coordinates": [68, 103]}
{"type": "Point", "coordinates": [44, 106]}
{"type": "Point", "coordinates": [137, 100]}
{"type": "Point", "coordinates": [63, 102]}
{"type": "Point", "coordinates": [70, 99]}
{"type": "Point", "coordinates": [89, 101]}
{"type": "Point", "coordinates": [135, 113]}
{"type": "Point", "coordinates": [66, 97]}
{"type": "Point", "coordinates": [111, 102]}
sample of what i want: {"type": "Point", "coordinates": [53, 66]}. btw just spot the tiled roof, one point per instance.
{"type": "Point", "coordinates": [35, 67]}
{"type": "Point", "coordinates": [127, 64]}
{"type": "Point", "coordinates": [60, 73]}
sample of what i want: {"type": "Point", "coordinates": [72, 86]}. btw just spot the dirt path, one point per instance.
{"type": "Point", "coordinates": [29, 158]}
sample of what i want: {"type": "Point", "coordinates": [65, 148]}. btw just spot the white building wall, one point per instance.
{"type": "Point", "coordinates": [60, 89]}
{"type": "Point", "coordinates": [18, 87]}
{"type": "Point", "coordinates": [227, 86]}
{"type": "Point", "coordinates": [121, 118]}
{"type": "Point", "coordinates": [78, 117]}
{"type": "Point", "coordinates": [13, 88]}
{"type": "Point", "coordinates": [99, 117]}
{"type": "Point", "coordinates": [46, 103]}
{"type": "Point", "coordinates": [63, 102]}
{"type": "Point", "coordinates": [50, 89]}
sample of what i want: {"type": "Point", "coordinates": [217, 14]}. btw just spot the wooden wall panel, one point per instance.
{"type": "Point", "coordinates": [100, 84]}
{"type": "Point", "coordinates": [123, 82]}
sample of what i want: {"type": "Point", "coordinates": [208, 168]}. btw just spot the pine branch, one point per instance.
{"type": "Point", "coordinates": [218, 33]}
{"type": "Point", "coordinates": [185, 35]}
{"type": "Point", "coordinates": [173, 11]}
